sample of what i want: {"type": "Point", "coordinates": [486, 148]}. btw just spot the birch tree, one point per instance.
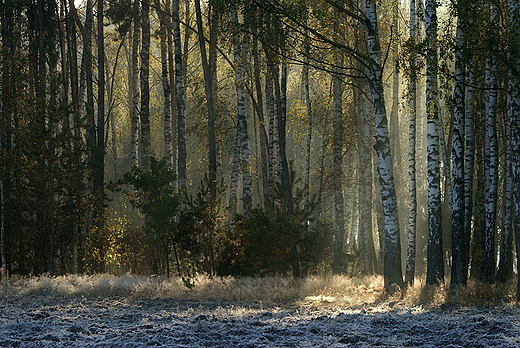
{"type": "Point", "coordinates": [435, 263]}
{"type": "Point", "coordinates": [490, 164]}
{"type": "Point", "coordinates": [459, 243]}
{"type": "Point", "coordinates": [339, 208]}
{"type": "Point", "coordinates": [163, 27]}
{"type": "Point", "coordinates": [133, 91]}
{"type": "Point", "coordinates": [412, 212]}
{"type": "Point", "coordinates": [145, 145]}
{"type": "Point", "coordinates": [208, 83]}
{"type": "Point", "coordinates": [392, 244]}
{"type": "Point", "coordinates": [241, 113]}
{"type": "Point", "coordinates": [179, 98]}
{"type": "Point", "coordinates": [513, 105]}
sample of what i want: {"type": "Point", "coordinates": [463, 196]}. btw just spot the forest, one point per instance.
{"type": "Point", "coordinates": [258, 138]}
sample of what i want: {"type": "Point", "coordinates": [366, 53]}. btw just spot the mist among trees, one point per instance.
{"type": "Point", "coordinates": [254, 138]}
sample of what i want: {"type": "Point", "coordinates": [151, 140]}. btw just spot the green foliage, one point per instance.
{"type": "Point", "coordinates": [155, 197]}
{"type": "Point", "coordinates": [270, 242]}
{"type": "Point", "coordinates": [198, 227]}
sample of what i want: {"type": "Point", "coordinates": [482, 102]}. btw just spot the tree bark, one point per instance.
{"type": "Point", "coordinates": [209, 101]}
{"type": "Point", "coordinates": [145, 145]}
{"type": "Point", "coordinates": [163, 27]}
{"type": "Point", "coordinates": [339, 240]}
{"type": "Point", "coordinates": [458, 242]}
{"type": "Point", "coordinates": [490, 166]}
{"type": "Point", "coordinates": [412, 132]}
{"type": "Point", "coordinates": [392, 244]}
{"type": "Point", "coordinates": [435, 263]}
{"type": "Point", "coordinates": [179, 96]}
{"type": "Point", "coordinates": [241, 113]}
{"type": "Point", "coordinates": [513, 101]}
{"type": "Point", "coordinates": [469, 168]}
{"type": "Point", "coordinates": [133, 92]}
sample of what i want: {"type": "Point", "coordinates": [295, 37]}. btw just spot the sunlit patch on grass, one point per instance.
{"type": "Point", "coordinates": [313, 291]}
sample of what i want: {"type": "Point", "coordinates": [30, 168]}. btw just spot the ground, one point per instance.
{"type": "Point", "coordinates": [78, 321]}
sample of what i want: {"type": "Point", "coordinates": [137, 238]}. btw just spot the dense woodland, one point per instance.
{"type": "Point", "coordinates": [251, 138]}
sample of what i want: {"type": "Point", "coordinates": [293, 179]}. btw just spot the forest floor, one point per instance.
{"type": "Point", "coordinates": [112, 312]}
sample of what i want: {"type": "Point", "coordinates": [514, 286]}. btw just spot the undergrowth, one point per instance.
{"type": "Point", "coordinates": [310, 291]}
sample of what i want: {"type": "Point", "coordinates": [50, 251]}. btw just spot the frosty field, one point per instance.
{"type": "Point", "coordinates": [43, 317]}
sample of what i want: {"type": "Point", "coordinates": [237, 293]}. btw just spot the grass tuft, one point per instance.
{"type": "Point", "coordinates": [312, 291]}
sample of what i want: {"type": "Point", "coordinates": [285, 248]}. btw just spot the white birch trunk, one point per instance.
{"type": "Point", "coordinates": [392, 244]}
{"type": "Point", "coordinates": [309, 124]}
{"type": "Point", "coordinates": [271, 154]}
{"type": "Point", "coordinates": [241, 113]}
{"type": "Point", "coordinates": [145, 85]}
{"type": "Point", "coordinates": [458, 242]}
{"type": "Point", "coordinates": [513, 106]}
{"type": "Point", "coordinates": [490, 166]}
{"type": "Point", "coordinates": [339, 240]}
{"type": "Point", "coordinates": [165, 84]}
{"type": "Point", "coordinates": [412, 183]}
{"type": "Point", "coordinates": [234, 178]}
{"type": "Point", "coordinates": [179, 96]}
{"type": "Point", "coordinates": [469, 167]}
{"type": "Point", "coordinates": [134, 94]}
{"type": "Point", "coordinates": [435, 259]}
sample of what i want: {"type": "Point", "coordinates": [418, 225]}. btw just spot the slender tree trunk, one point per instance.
{"type": "Point", "coordinates": [513, 101]}
{"type": "Point", "coordinates": [264, 141]}
{"type": "Point", "coordinates": [339, 240]}
{"type": "Point", "coordinates": [392, 244]}
{"type": "Point", "coordinates": [469, 169]}
{"type": "Point", "coordinates": [163, 27]}
{"type": "Point", "coordinates": [280, 115]}
{"type": "Point", "coordinates": [3, 262]}
{"type": "Point", "coordinates": [412, 131]}
{"type": "Point", "coordinates": [242, 119]}
{"type": "Point", "coordinates": [479, 211]}
{"type": "Point", "coordinates": [505, 265]}
{"type": "Point", "coordinates": [209, 101]}
{"type": "Point", "coordinates": [133, 92]}
{"type": "Point", "coordinates": [306, 185]}
{"type": "Point", "coordinates": [458, 242]}
{"type": "Point", "coordinates": [171, 68]}
{"type": "Point", "coordinates": [435, 263]}
{"type": "Point", "coordinates": [234, 178]}
{"type": "Point", "coordinates": [99, 168]}
{"type": "Point", "coordinates": [490, 166]}
{"type": "Point", "coordinates": [179, 96]}
{"type": "Point", "coordinates": [145, 146]}
{"type": "Point", "coordinates": [271, 156]}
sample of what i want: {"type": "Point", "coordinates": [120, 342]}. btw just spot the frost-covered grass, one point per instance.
{"type": "Point", "coordinates": [325, 289]}
{"type": "Point", "coordinates": [314, 290]}
{"type": "Point", "coordinates": [336, 311]}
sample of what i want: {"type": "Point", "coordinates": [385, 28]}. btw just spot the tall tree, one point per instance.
{"type": "Point", "coordinates": [435, 263]}
{"type": "Point", "coordinates": [209, 100]}
{"type": "Point", "coordinates": [133, 90]}
{"type": "Point", "coordinates": [145, 145]}
{"type": "Point", "coordinates": [513, 101]}
{"type": "Point", "coordinates": [339, 240]}
{"type": "Point", "coordinates": [459, 243]}
{"type": "Point", "coordinates": [165, 77]}
{"type": "Point", "coordinates": [179, 97]}
{"type": "Point", "coordinates": [241, 113]}
{"type": "Point", "coordinates": [392, 243]}
{"type": "Point", "coordinates": [490, 164]}
{"type": "Point", "coordinates": [412, 181]}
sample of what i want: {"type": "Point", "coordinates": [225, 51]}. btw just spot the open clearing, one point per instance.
{"type": "Point", "coordinates": [39, 320]}
{"type": "Point", "coordinates": [115, 322]}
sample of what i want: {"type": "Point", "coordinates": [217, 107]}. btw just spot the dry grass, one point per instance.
{"type": "Point", "coordinates": [311, 291]}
